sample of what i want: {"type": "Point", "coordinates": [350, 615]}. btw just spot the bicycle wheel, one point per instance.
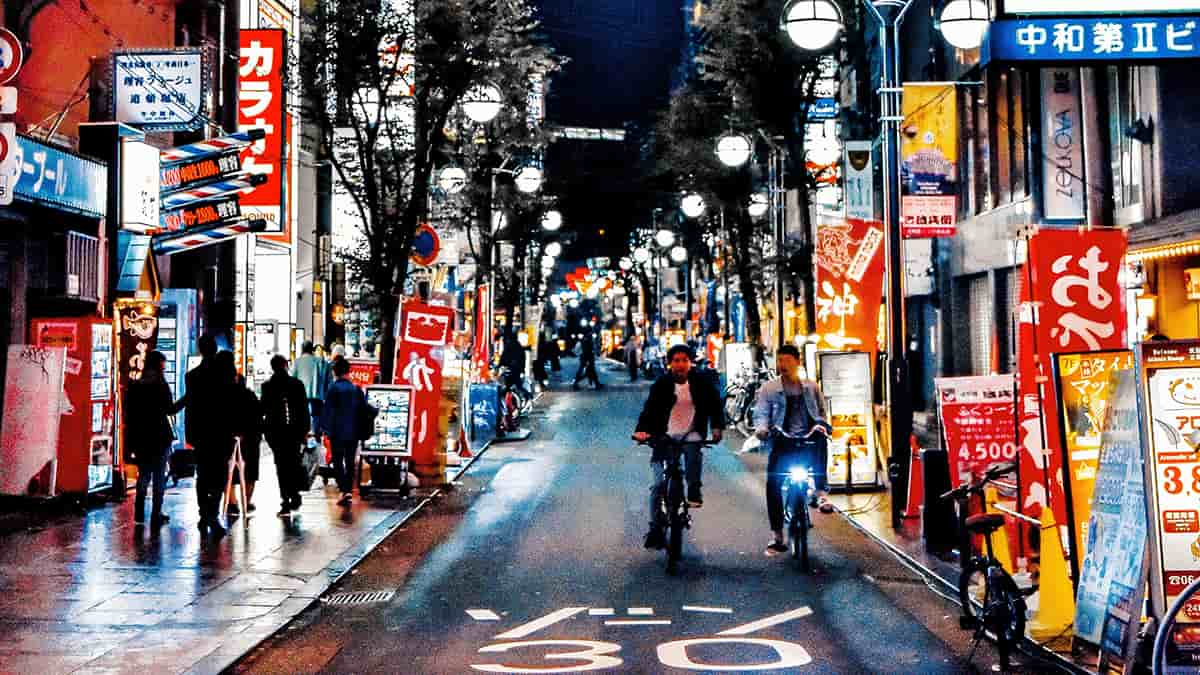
{"type": "Point", "coordinates": [798, 526]}
{"type": "Point", "coordinates": [991, 600]}
{"type": "Point", "coordinates": [676, 521]}
{"type": "Point", "coordinates": [1177, 643]}
{"type": "Point", "coordinates": [973, 592]}
{"type": "Point", "coordinates": [733, 405]}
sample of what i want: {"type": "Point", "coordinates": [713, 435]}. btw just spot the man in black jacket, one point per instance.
{"type": "Point", "coordinates": [682, 405]}
{"type": "Point", "coordinates": [203, 400]}
{"type": "Point", "coordinates": [286, 422]}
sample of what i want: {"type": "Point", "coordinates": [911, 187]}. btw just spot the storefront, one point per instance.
{"type": "Point", "coordinates": [1163, 277]}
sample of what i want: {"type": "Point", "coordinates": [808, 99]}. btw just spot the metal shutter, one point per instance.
{"type": "Point", "coordinates": [1008, 286]}
{"type": "Point", "coordinates": [982, 312]}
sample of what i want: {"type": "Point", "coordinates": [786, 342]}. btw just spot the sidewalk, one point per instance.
{"type": "Point", "coordinates": [94, 594]}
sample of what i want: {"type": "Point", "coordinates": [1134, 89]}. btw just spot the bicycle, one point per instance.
{"type": "Point", "coordinates": [798, 488]}
{"type": "Point", "coordinates": [515, 401]}
{"type": "Point", "coordinates": [670, 510]}
{"type": "Point", "coordinates": [990, 599]}
{"type": "Point", "coordinates": [1177, 643]}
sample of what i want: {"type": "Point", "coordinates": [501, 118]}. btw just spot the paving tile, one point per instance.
{"type": "Point", "coordinates": [156, 602]}
{"type": "Point", "coordinates": [119, 618]}
{"type": "Point", "coordinates": [37, 663]}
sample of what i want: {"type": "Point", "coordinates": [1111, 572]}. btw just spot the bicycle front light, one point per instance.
{"type": "Point", "coordinates": [798, 474]}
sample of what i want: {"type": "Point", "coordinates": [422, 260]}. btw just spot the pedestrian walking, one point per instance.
{"type": "Point", "coordinates": [247, 421]}
{"type": "Point", "coordinates": [587, 363]}
{"type": "Point", "coordinates": [203, 431]}
{"type": "Point", "coordinates": [149, 435]}
{"type": "Point", "coordinates": [314, 372]}
{"type": "Point", "coordinates": [633, 356]}
{"type": "Point", "coordinates": [341, 420]}
{"type": "Point", "coordinates": [286, 423]}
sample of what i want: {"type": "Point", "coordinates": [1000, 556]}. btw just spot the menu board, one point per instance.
{"type": "Point", "coordinates": [392, 424]}
{"type": "Point", "coordinates": [846, 386]}
{"type": "Point", "coordinates": [1172, 377]}
{"type": "Point", "coordinates": [977, 416]}
{"type": "Point", "coordinates": [1084, 382]}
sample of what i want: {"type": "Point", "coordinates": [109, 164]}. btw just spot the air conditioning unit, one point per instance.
{"type": "Point", "coordinates": [65, 265]}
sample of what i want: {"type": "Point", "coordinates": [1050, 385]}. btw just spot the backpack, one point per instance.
{"type": "Point", "coordinates": [365, 415]}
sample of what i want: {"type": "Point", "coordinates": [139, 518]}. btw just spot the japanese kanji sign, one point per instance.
{"type": "Point", "coordinates": [261, 106]}
{"type": "Point", "coordinates": [849, 260]}
{"type": "Point", "coordinates": [159, 90]}
{"type": "Point", "coordinates": [199, 215]}
{"type": "Point", "coordinates": [1086, 39]}
{"type": "Point", "coordinates": [977, 416]}
{"type": "Point", "coordinates": [1080, 302]}
{"type": "Point", "coordinates": [424, 332]}
{"type": "Point", "coordinates": [1057, 7]}
{"type": "Point", "coordinates": [929, 160]}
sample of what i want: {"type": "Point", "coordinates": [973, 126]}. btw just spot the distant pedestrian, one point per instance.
{"type": "Point", "coordinates": [148, 435]}
{"type": "Point", "coordinates": [314, 372]}
{"type": "Point", "coordinates": [587, 362]}
{"type": "Point", "coordinates": [340, 419]}
{"type": "Point", "coordinates": [633, 356]}
{"type": "Point", "coordinates": [203, 429]}
{"type": "Point", "coordinates": [286, 423]}
{"type": "Point", "coordinates": [553, 354]}
{"type": "Point", "coordinates": [246, 417]}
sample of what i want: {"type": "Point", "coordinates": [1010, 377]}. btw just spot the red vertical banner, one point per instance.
{"type": "Point", "coordinates": [424, 331]}
{"type": "Point", "coordinates": [1071, 301]}
{"type": "Point", "coordinates": [479, 351]}
{"type": "Point", "coordinates": [262, 58]}
{"type": "Point", "coordinates": [849, 260]}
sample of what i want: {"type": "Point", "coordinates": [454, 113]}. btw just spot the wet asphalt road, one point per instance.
{"type": "Point", "coordinates": [536, 565]}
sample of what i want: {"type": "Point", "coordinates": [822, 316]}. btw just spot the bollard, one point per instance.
{"type": "Point", "coordinates": [1000, 536]}
{"type": "Point", "coordinates": [1056, 601]}
{"type": "Point", "coordinates": [916, 481]}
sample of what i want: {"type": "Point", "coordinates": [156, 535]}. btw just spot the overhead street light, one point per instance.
{"type": "Point", "coordinates": [734, 149]}
{"type": "Point", "coordinates": [641, 254]}
{"type": "Point", "coordinates": [758, 205]}
{"type": "Point", "coordinates": [452, 179]}
{"type": "Point", "coordinates": [692, 205]}
{"type": "Point", "coordinates": [664, 238]}
{"type": "Point", "coordinates": [554, 249]}
{"type": "Point", "coordinates": [964, 23]}
{"type": "Point", "coordinates": [679, 254]}
{"type": "Point", "coordinates": [528, 179]}
{"type": "Point", "coordinates": [625, 264]}
{"type": "Point", "coordinates": [812, 25]}
{"type": "Point", "coordinates": [552, 221]}
{"type": "Point", "coordinates": [482, 102]}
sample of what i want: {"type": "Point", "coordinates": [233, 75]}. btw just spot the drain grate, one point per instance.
{"type": "Point", "coordinates": [358, 598]}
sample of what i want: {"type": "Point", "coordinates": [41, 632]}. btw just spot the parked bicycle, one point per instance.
{"type": "Point", "coordinates": [740, 396]}
{"type": "Point", "coordinates": [670, 508]}
{"type": "Point", "coordinates": [991, 601]}
{"type": "Point", "coordinates": [798, 487]}
{"type": "Point", "coordinates": [515, 401]}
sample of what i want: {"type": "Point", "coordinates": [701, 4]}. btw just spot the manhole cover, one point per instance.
{"type": "Point", "coordinates": [359, 598]}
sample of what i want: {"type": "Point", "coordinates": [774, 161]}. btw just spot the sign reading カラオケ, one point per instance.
{"type": "Point", "coordinates": [261, 106]}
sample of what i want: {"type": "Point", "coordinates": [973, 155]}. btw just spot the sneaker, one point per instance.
{"type": "Point", "coordinates": [775, 548]}
{"type": "Point", "coordinates": [655, 539]}
{"type": "Point", "coordinates": [695, 501]}
{"type": "Point", "coordinates": [216, 530]}
{"type": "Point", "coordinates": [233, 509]}
{"type": "Point", "coordinates": [826, 506]}
{"type": "Point", "coordinates": [813, 501]}
{"type": "Point", "coordinates": [346, 499]}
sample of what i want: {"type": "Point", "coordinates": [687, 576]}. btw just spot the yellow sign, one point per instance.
{"type": "Point", "coordinates": [929, 159]}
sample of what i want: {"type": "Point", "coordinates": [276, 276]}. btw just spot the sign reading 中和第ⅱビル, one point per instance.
{"type": "Point", "coordinates": [1093, 39]}
{"type": "Point", "coordinates": [159, 90]}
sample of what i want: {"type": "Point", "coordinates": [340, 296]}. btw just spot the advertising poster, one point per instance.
{"type": "Point", "coordinates": [1115, 545]}
{"type": "Point", "coordinates": [1172, 376]}
{"type": "Point", "coordinates": [425, 330]}
{"type": "Point", "coordinates": [394, 420]}
{"type": "Point", "coordinates": [929, 160]}
{"type": "Point", "coordinates": [33, 387]}
{"type": "Point", "coordinates": [364, 372]}
{"type": "Point", "coordinates": [849, 277]}
{"type": "Point", "coordinates": [1063, 190]}
{"type": "Point", "coordinates": [484, 401]}
{"type": "Point", "coordinates": [846, 385]}
{"type": "Point", "coordinates": [859, 174]}
{"type": "Point", "coordinates": [1083, 395]}
{"type": "Point", "coordinates": [977, 423]}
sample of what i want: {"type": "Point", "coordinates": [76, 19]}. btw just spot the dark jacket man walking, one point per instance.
{"type": "Point", "coordinates": [203, 431]}
{"type": "Point", "coordinates": [149, 435]}
{"type": "Point", "coordinates": [286, 422]}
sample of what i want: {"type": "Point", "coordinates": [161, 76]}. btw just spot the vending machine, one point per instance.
{"type": "Point", "coordinates": [86, 448]}
{"type": "Point", "coordinates": [178, 329]}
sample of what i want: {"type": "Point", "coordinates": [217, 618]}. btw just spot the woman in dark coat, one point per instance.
{"type": "Point", "coordinates": [148, 433]}
{"type": "Point", "coordinates": [247, 421]}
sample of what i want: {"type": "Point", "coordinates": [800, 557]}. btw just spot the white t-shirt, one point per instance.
{"type": "Point", "coordinates": [683, 414]}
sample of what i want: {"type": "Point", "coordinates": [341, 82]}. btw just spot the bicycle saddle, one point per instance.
{"type": "Point", "coordinates": [985, 523]}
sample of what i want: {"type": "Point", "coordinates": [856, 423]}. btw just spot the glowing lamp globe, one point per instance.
{"type": "Point", "coordinates": [664, 238]}
{"type": "Point", "coordinates": [734, 149]}
{"type": "Point", "coordinates": [625, 264]}
{"type": "Point", "coordinates": [641, 254]}
{"type": "Point", "coordinates": [812, 25]}
{"type": "Point", "coordinates": [964, 23]}
{"type": "Point", "coordinates": [758, 205]}
{"type": "Point", "coordinates": [679, 254]}
{"type": "Point", "coordinates": [452, 179]}
{"type": "Point", "coordinates": [547, 262]}
{"type": "Point", "coordinates": [482, 102]}
{"type": "Point", "coordinates": [529, 179]}
{"type": "Point", "coordinates": [552, 221]}
{"type": "Point", "coordinates": [692, 205]}
{"type": "Point", "coordinates": [554, 249]}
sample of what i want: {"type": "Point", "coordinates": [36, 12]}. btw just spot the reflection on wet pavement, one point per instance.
{"type": "Point", "coordinates": [101, 594]}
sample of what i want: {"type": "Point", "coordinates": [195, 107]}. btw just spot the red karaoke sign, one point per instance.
{"type": "Point", "coordinates": [260, 106]}
{"type": "Point", "coordinates": [424, 331]}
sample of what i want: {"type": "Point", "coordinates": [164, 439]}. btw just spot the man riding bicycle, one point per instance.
{"type": "Point", "coordinates": [797, 407]}
{"type": "Point", "coordinates": [682, 405]}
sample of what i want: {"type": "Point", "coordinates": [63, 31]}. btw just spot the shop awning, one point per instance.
{"type": "Point", "coordinates": [1176, 234]}
{"type": "Point", "coordinates": [137, 275]}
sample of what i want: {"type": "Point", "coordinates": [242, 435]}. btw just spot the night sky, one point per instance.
{"type": "Point", "coordinates": [622, 55]}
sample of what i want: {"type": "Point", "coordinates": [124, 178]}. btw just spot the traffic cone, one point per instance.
{"type": "Point", "coordinates": [1000, 536]}
{"type": "Point", "coordinates": [1056, 602]}
{"type": "Point", "coordinates": [916, 481]}
{"type": "Point", "coordinates": [464, 448]}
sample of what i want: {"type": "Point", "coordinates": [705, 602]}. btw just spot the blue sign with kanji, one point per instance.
{"type": "Point", "coordinates": [1093, 39]}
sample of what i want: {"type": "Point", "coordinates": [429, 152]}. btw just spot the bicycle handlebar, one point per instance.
{"type": "Point", "coordinates": [796, 437]}
{"type": "Point", "coordinates": [662, 438]}
{"type": "Point", "coordinates": [977, 486]}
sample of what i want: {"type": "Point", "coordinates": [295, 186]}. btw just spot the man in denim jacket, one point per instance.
{"type": "Point", "coordinates": [797, 407]}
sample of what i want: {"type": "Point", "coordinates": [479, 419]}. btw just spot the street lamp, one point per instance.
{"type": "Point", "coordinates": [692, 205]}
{"type": "Point", "coordinates": [452, 179]}
{"type": "Point", "coordinates": [964, 23]}
{"type": "Point", "coordinates": [678, 254]}
{"type": "Point", "coordinates": [664, 238]}
{"type": "Point", "coordinates": [812, 24]}
{"type": "Point", "coordinates": [552, 221]}
{"type": "Point", "coordinates": [641, 254]}
{"type": "Point", "coordinates": [625, 264]}
{"type": "Point", "coordinates": [482, 102]}
{"type": "Point", "coordinates": [528, 179]}
{"type": "Point", "coordinates": [759, 203]}
{"type": "Point", "coordinates": [734, 149]}
{"type": "Point", "coordinates": [554, 249]}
